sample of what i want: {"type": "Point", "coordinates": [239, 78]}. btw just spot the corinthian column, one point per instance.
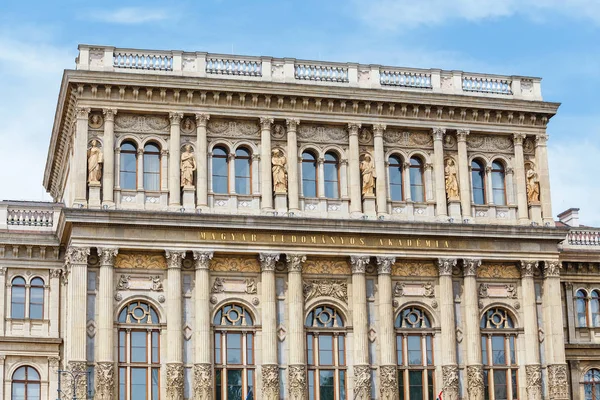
{"type": "Point", "coordinates": [105, 368]}
{"type": "Point", "coordinates": [292, 164]}
{"type": "Point", "coordinates": [520, 177]}
{"type": "Point", "coordinates": [530, 327]}
{"type": "Point", "coordinates": [380, 173]}
{"type": "Point", "coordinates": [174, 325]}
{"type": "Point", "coordinates": [449, 367]}
{"type": "Point", "coordinates": [266, 184]}
{"type": "Point", "coordinates": [475, 385]}
{"type": "Point", "coordinates": [541, 157]}
{"type": "Point", "coordinates": [463, 173]}
{"type": "Point", "coordinates": [269, 367]}
{"type": "Point", "coordinates": [387, 368]}
{"type": "Point", "coordinates": [174, 159]}
{"type": "Point", "coordinates": [438, 170]}
{"type": "Point", "coordinates": [77, 296]}
{"type": "Point", "coordinates": [201, 160]}
{"type": "Point", "coordinates": [297, 364]}
{"type": "Point", "coordinates": [354, 167]}
{"type": "Point", "coordinates": [362, 371]}
{"type": "Point", "coordinates": [80, 155]}
{"type": "Point", "coordinates": [108, 169]}
{"type": "Point", "coordinates": [202, 340]}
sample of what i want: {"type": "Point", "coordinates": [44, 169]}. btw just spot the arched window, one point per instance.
{"type": "Point", "coordinates": [26, 384]}
{"type": "Point", "coordinates": [332, 176]}
{"type": "Point", "coordinates": [243, 174]}
{"type": "Point", "coordinates": [17, 303]}
{"type": "Point", "coordinates": [234, 353]}
{"type": "Point", "coordinates": [36, 299]}
{"type": "Point", "coordinates": [498, 183]}
{"type": "Point", "coordinates": [595, 307]}
{"type": "Point", "coordinates": [309, 174]}
{"type": "Point", "coordinates": [151, 167]}
{"type": "Point", "coordinates": [417, 181]}
{"type": "Point", "coordinates": [395, 175]}
{"type": "Point", "coordinates": [498, 354]}
{"type": "Point", "coordinates": [478, 182]}
{"type": "Point", "coordinates": [591, 384]}
{"type": "Point", "coordinates": [414, 354]}
{"type": "Point", "coordinates": [326, 354]}
{"type": "Point", "coordinates": [581, 305]}
{"type": "Point", "coordinates": [128, 166]}
{"type": "Point", "coordinates": [220, 172]}
{"type": "Point", "coordinates": [139, 352]}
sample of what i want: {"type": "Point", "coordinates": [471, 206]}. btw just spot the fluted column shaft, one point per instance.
{"type": "Point", "coordinates": [201, 160]}
{"type": "Point", "coordinates": [448, 339]}
{"type": "Point", "coordinates": [530, 327]}
{"type": "Point", "coordinates": [380, 172]}
{"type": "Point", "coordinates": [292, 164]}
{"type": "Point", "coordinates": [438, 170]}
{"type": "Point", "coordinates": [520, 177]}
{"type": "Point", "coordinates": [297, 344]}
{"type": "Point", "coordinates": [463, 173]}
{"type": "Point", "coordinates": [354, 167]}
{"type": "Point", "coordinates": [174, 159]}
{"type": "Point", "coordinates": [541, 157]}
{"type": "Point", "coordinates": [80, 155]}
{"type": "Point", "coordinates": [472, 340]}
{"type": "Point", "coordinates": [266, 184]}
{"type": "Point", "coordinates": [362, 373]}
{"type": "Point", "coordinates": [386, 336]}
{"type": "Point", "coordinates": [269, 368]}
{"type": "Point", "coordinates": [108, 148]}
{"type": "Point", "coordinates": [202, 336]}
{"type": "Point", "coordinates": [174, 325]}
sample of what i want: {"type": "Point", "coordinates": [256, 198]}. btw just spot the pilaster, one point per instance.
{"type": "Point", "coordinates": [108, 173]}
{"type": "Point", "coordinates": [362, 371]}
{"type": "Point", "coordinates": [387, 368]}
{"type": "Point", "coordinates": [519, 169]}
{"type": "Point", "coordinates": [463, 173]}
{"type": "Point", "coordinates": [76, 260]}
{"type": "Point", "coordinates": [380, 170]}
{"type": "Point", "coordinates": [174, 159]}
{"type": "Point", "coordinates": [266, 184]}
{"type": "Point", "coordinates": [269, 367]}
{"type": "Point", "coordinates": [79, 166]}
{"type": "Point", "coordinates": [3, 296]}
{"type": "Point", "coordinates": [354, 170]}
{"type": "Point", "coordinates": [448, 336]}
{"type": "Point", "coordinates": [292, 165]}
{"type": "Point", "coordinates": [174, 325]}
{"type": "Point", "coordinates": [297, 362]}
{"type": "Point", "coordinates": [202, 337]}
{"type": "Point", "coordinates": [472, 339]}
{"type": "Point", "coordinates": [201, 160]}
{"type": "Point", "coordinates": [541, 158]}
{"type": "Point", "coordinates": [438, 170]}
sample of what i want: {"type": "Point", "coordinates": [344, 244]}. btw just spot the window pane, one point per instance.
{"type": "Point", "coordinates": [242, 176]}
{"type": "Point", "coordinates": [218, 385]}
{"type": "Point", "coordinates": [500, 391]}
{"type": "Point", "coordinates": [428, 340]}
{"type": "Point", "coordinates": [486, 385]}
{"type": "Point", "coordinates": [309, 349]}
{"type": "Point", "coordinates": [250, 385]}
{"type": "Point", "coordinates": [417, 192]}
{"type": "Point", "coordinates": [309, 178]}
{"type": "Point", "coordinates": [138, 346]}
{"type": "Point", "coordinates": [477, 181]}
{"type": "Point", "coordinates": [234, 348]}
{"type": "Point", "coordinates": [138, 384]}
{"type": "Point", "coordinates": [595, 305]}
{"type": "Point", "coordinates": [122, 384]}
{"type": "Point", "coordinates": [250, 349]}
{"type": "Point", "coordinates": [581, 317]}
{"type": "Point", "coordinates": [498, 350]}
{"type": "Point", "coordinates": [399, 349]}
{"type": "Point", "coordinates": [325, 350]}
{"type": "Point", "coordinates": [326, 385]}
{"type": "Point", "coordinates": [33, 391]}
{"type": "Point", "coordinates": [151, 172]}
{"type": "Point", "coordinates": [217, 348]}
{"type": "Point", "coordinates": [18, 302]}
{"type": "Point", "coordinates": [342, 385]}
{"type": "Point", "coordinates": [511, 342]}
{"type": "Point", "coordinates": [415, 381]}
{"type": "Point", "coordinates": [234, 384]}
{"type": "Point", "coordinates": [36, 311]}
{"type": "Point", "coordinates": [128, 171]}
{"type": "Point", "coordinates": [401, 384]}
{"type": "Point", "coordinates": [430, 384]}
{"type": "Point", "coordinates": [18, 391]}
{"type": "Point", "coordinates": [220, 173]}
{"type": "Point", "coordinates": [156, 384]}
{"type": "Point", "coordinates": [331, 181]}
{"type": "Point", "coordinates": [155, 347]}
{"type": "Point", "coordinates": [484, 357]}
{"type": "Point", "coordinates": [395, 176]}
{"type": "Point", "coordinates": [311, 385]}
{"type": "Point", "coordinates": [341, 350]}
{"type": "Point", "coordinates": [515, 392]}
{"type": "Point", "coordinates": [415, 356]}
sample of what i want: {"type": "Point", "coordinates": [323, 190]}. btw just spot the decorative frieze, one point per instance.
{"type": "Point", "coordinates": [395, 137]}
{"type": "Point", "coordinates": [490, 143]}
{"type": "Point", "coordinates": [235, 264]}
{"type": "Point", "coordinates": [140, 261]}
{"type": "Point", "coordinates": [233, 128]}
{"type": "Point", "coordinates": [142, 123]}
{"type": "Point", "coordinates": [498, 271]}
{"type": "Point", "coordinates": [326, 288]}
{"type": "Point", "coordinates": [321, 266]}
{"type": "Point", "coordinates": [322, 134]}
{"type": "Point", "coordinates": [557, 382]}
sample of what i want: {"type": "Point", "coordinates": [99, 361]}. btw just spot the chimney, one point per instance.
{"type": "Point", "coordinates": [570, 217]}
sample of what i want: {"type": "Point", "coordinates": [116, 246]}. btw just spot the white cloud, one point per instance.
{"type": "Point", "coordinates": [131, 15]}
{"type": "Point", "coordinates": [399, 14]}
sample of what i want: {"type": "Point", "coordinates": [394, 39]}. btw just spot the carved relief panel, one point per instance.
{"type": "Point", "coordinates": [490, 143]}
{"type": "Point", "coordinates": [233, 128]}
{"type": "Point", "coordinates": [322, 134]}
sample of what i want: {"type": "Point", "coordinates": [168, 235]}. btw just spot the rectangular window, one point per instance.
{"type": "Point", "coordinates": [342, 385]}
{"type": "Point", "coordinates": [122, 353]}
{"type": "Point", "coordinates": [151, 172]}
{"type": "Point", "coordinates": [417, 190]}
{"type": "Point", "coordinates": [484, 357]}
{"type": "Point", "coordinates": [401, 384]}
{"type": "Point", "coordinates": [139, 387]}
{"type": "Point", "coordinates": [242, 176]}
{"type": "Point", "coordinates": [309, 183]}
{"type": "Point", "coordinates": [218, 385]}
{"type": "Point", "coordinates": [500, 389]}
{"type": "Point", "coordinates": [430, 384]}
{"type": "Point", "coordinates": [138, 346]}
{"type": "Point", "coordinates": [326, 384]}
{"type": "Point", "coordinates": [498, 350]}
{"type": "Point", "coordinates": [373, 385]}
{"type": "Point", "coordinates": [341, 350]}
{"type": "Point", "coordinates": [155, 347]}
{"type": "Point", "coordinates": [311, 385]}
{"type": "Point", "coordinates": [415, 355]}
{"type": "Point", "coordinates": [325, 350]}
{"type": "Point", "coordinates": [250, 384]}
{"type": "Point", "coordinates": [219, 177]}
{"type": "Point", "coordinates": [17, 310]}
{"type": "Point", "coordinates": [234, 384]}
{"type": "Point", "coordinates": [429, 345]}
{"type": "Point", "coordinates": [122, 383]}
{"type": "Point", "coordinates": [331, 181]}
{"type": "Point", "coordinates": [511, 342]}
{"type": "Point", "coordinates": [155, 384]}
{"type": "Point", "coordinates": [498, 188]}
{"type": "Point", "coordinates": [280, 311]}
{"type": "Point", "coordinates": [415, 382]}
{"type": "Point", "coordinates": [234, 348]}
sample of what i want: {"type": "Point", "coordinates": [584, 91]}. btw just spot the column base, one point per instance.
{"type": "Point", "coordinates": [388, 382]}
{"type": "Point", "coordinates": [79, 370]}
{"type": "Point", "coordinates": [203, 381]}
{"type": "Point", "coordinates": [534, 382]}
{"type": "Point", "coordinates": [362, 382]}
{"type": "Point", "coordinates": [189, 197]}
{"type": "Point", "coordinates": [475, 386]}
{"type": "Point", "coordinates": [175, 381]}
{"type": "Point", "coordinates": [558, 388]}
{"type": "Point", "coordinates": [270, 382]}
{"type": "Point", "coordinates": [297, 382]}
{"type": "Point", "coordinates": [450, 387]}
{"type": "Point", "coordinates": [104, 381]}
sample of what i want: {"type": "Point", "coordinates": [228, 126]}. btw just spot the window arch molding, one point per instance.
{"type": "Point", "coordinates": [425, 159]}
{"type": "Point", "coordinates": [245, 144]}
{"type": "Point", "coordinates": [227, 145]}
{"type": "Point", "coordinates": [237, 302]}
{"type": "Point", "coordinates": [316, 151]}
{"type": "Point", "coordinates": [510, 310]}
{"type": "Point", "coordinates": [155, 140]}
{"type": "Point", "coordinates": [337, 151]}
{"type": "Point", "coordinates": [327, 301]}
{"type": "Point", "coordinates": [132, 139]}
{"type": "Point", "coordinates": [427, 309]}
{"type": "Point", "coordinates": [38, 368]}
{"type": "Point", "coordinates": [146, 299]}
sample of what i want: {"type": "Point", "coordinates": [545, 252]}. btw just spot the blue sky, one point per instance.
{"type": "Point", "coordinates": [558, 40]}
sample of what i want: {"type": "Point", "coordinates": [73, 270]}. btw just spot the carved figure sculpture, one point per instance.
{"type": "Point", "coordinates": [533, 186]}
{"type": "Point", "coordinates": [451, 180]}
{"type": "Point", "coordinates": [279, 161]}
{"type": "Point", "coordinates": [188, 166]}
{"type": "Point", "coordinates": [95, 161]}
{"type": "Point", "coordinates": [367, 171]}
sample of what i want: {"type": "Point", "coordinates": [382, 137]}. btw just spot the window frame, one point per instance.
{"type": "Point", "coordinates": [314, 162]}
{"type": "Point", "coordinates": [581, 298]}
{"type": "Point", "coordinates": [499, 170]}
{"type": "Point", "coordinates": [213, 174]}
{"type": "Point", "coordinates": [591, 378]}
{"type": "Point", "coordinates": [19, 286]}
{"type": "Point", "coordinates": [122, 172]}
{"type": "Point", "coordinates": [400, 165]}
{"type": "Point", "coordinates": [420, 168]}
{"type": "Point", "coordinates": [26, 382]}
{"type": "Point", "coordinates": [480, 169]}
{"type": "Point", "coordinates": [247, 179]}
{"type": "Point", "coordinates": [145, 173]}
{"type": "Point", "coordinates": [335, 163]}
{"type": "Point", "coordinates": [41, 286]}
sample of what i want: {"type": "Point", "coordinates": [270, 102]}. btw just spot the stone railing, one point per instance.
{"type": "Point", "coordinates": [29, 215]}
{"type": "Point", "coordinates": [584, 237]}
{"type": "Point", "coordinates": [289, 70]}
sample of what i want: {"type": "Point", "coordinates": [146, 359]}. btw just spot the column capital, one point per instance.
{"type": "Point", "coordinates": [54, 273]}
{"type": "Point", "coordinates": [378, 129]}
{"type": "Point", "coordinates": [4, 269]}
{"type": "Point", "coordinates": [109, 113]}
{"type": "Point", "coordinates": [202, 119]}
{"type": "Point", "coordinates": [107, 255]}
{"type": "Point", "coordinates": [470, 266]}
{"type": "Point", "coordinates": [541, 140]}
{"type": "Point", "coordinates": [175, 117]}
{"type": "Point", "coordinates": [292, 123]}
{"type": "Point", "coordinates": [552, 269]}
{"type": "Point", "coordinates": [77, 255]}
{"type": "Point", "coordinates": [353, 128]}
{"type": "Point", "coordinates": [445, 266]}
{"type": "Point", "coordinates": [266, 122]}
{"type": "Point", "coordinates": [462, 134]}
{"type": "Point", "coordinates": [82, 112]}
{"type": "Point", "coordinates": [359, 264]}
{"type": "Point", "coordinates": [267, 261]}
{"type": "Point", "coordinates": [174, 258]}
{"type": "Point", "coordinates": [438, 133]}
{"type": "Point", "coordinates": [202, 258]}
{"type": "Point", "coordinates": [384, 265]}
{"type": "Point", "coordinates": [518, 138]}
{"type": "Point", "coordinates": [528, 268]}
{"type": "Point", "coordinates": [294, 262]}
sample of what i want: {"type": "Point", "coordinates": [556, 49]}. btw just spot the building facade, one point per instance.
{"type": "Point", "coordinates": [231, 227]}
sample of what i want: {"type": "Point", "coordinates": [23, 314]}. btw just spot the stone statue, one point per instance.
{"type": "Point", "coordinates": [95, 161]}
{"type": "Point", "coordinates": [279, 161]}
{"type": "Point", "coordinates": [533, 187]}
{"type": "Point", "coordinates": [367, 171]}
{"type": "Point", "coordinates": [451, 180]}
{"type": "Point", "coordinates": [188, 166]}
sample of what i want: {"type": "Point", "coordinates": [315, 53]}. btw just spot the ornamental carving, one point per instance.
{"type": "Point", "coordinates": [250, 286]}
{"type": "Point", "coordinates": [107, 255]}
{"type": "Point", "coordinates": [295, 261]}
{"type": "Point", "coordinates": [322, 134]}
{"type": "Point", "coordinates": [384, 264]}
{"type": "Point", "coordinates": [450, 388]}
{"type": "Point", "coordinates": [528, 268]}
{"type": "Point", "coordinates": [104, 380]}
{"type": "Point", "coordinates": [470, 266]}
{"type": "Point", "coordinates": [475, 382]}
{"type": "Point", "coordinates": [225, 128]}
{"type": "Point", "coordinates": [54, 273]}
{"type": "Point", "coordinates": [123, 282]}
{"type": "Point", "coordinates": [387, 381]}
{"type": "Point", "coordinates": [321, 266]}
{"type": "Point", "coordinates": [408, 139]}
{"type": "Point", "coordinates": [140, 261]}
{"type": "Point", "coordinates": [552, 268]}
{"type": "Point", "coordinates": [174, 381]}
{"type": "Point", "coordinates": [331, 288]}
{"type": "Point", "coordinates": [498, 270]}
{"type": "Point", "coordinates": [446, 265]}
{"type": "Point", "coordinates": [142, 123]}
{"type": "Point", "coordinates": [78, 367]}
{"type": "Point", "coordinates": [359, 264]}
{"type": "Point", "coordinates": [235, 264]}
{"type": "Point", "coordinates": [415, 268]}
{"type": "Point", "coordinates": [270, 382]}
{"type": "Point", "coordinates": [483, 290]}
{"type": "Point", "coordinates": [534, 382]}
{"type": "Point", "coordinates": [188, 125]}
{"type": "Point", "coordinates": [202, 381]}
{"type": "Point", "coordinates": [362, 382]}
{"type": "Point", "coordinates": [268, 261]}
{"type": "Point", "coordinates": [77, 255]}
{"type": "Point", "coordinates": [202, 259]}
{"type": "Point", "coordinates": [297, 382]}
{"type": "Point", "coordinates": [489, 143]}
{"type": "Point", "coordinates": [218, 285]}
{"type": "Point", "coordinates": [557, 381]}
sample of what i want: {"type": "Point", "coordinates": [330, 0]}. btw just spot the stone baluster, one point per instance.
{"type": "Point", "coordinates": [266, 183]}
{"type": "Point", "coordinates": [105, 368]}
{"type": "Point", "coordinates": [174, 160]}
{"type": "Point", "coordinates": [108, 147]}
{"type": "Point", "coordinates": [292, 165]}
{"type": "Point", "coordinates": [3, 299]}
{"type": "Point", "coordinates": [475, 386]}
{"type": "Point", "coordinates": [449, 367]}
{"type": "Point", "coordinates": [174, 325]}
{"type": "Point", "coordinates": [201, 160]}
{"type": "Point", "coordinates": [203, 381]}
{"type": "Point", "coordinates": [380, 171]}
{"type": "Point", "coordinates": [362, 371]}
{"type": "Point", "coordinates": [80, 155]}
{"type": "Point", "coordinates": [541, 158]}
{"type": "Point", "coordinates": [297, 363]}
{"type": "Point", "coordinates": [387, 339]}
{"type": "Point", "coordinates": [354, 170]}
{"type": "Point", "coordinates": [269, 367]}
{"type": "Point", "coordinates": [438, 171]}
{"type": "Point", "coordinates": [530, 327]}
{"type": "Point", "coordinates": [518, 139]}
{"type": "Point", "coordinates": [463, 173]}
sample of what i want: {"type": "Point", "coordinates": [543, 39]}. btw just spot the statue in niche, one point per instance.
{"type": "Point", "coordinates": [451, 180]}
{"type": "Point", "coordinates": [367, 171]}
{"type": "Point", "coordinates": [188, 166]}
{"type": "Point", "coordinates": [94, 163]}
{"type": "Point", "coordinates": [533, 186]}
{"type": "Point", "coordinates": [279, 161]}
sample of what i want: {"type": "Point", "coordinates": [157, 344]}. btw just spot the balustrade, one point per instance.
{"type": "Point", "coordinates": [406, 79]}
{"type": "Point", "coordinates": [25, 217]}
{"type": "Point", "coordinates": [228, 66]}
{"type": "Point", "coordinates": [154, 62]}
{"type": "Point", "coordinates": [584, 237]}
{"type": "Point", "coordinates": [486, 85]}
{"type": "Point", "coordinates": [321, 73]}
